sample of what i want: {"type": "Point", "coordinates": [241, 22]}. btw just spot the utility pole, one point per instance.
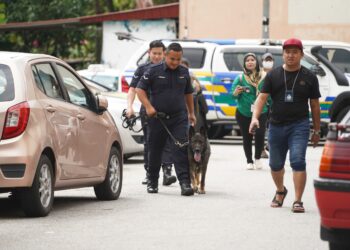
{"type": "Point", "coordinates": [266, 19]}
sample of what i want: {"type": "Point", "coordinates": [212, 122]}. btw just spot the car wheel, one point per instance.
{"type": "Point", "coordinates": [37, 200]}
{"type": "Point", "coordinates": [341, 114]}
{"type": "Point", "coordinates": [111, 187]}
{"type": "Point", "coordinates": [336, 246]}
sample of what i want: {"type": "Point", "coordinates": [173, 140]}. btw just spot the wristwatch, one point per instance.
{"type": "Point", "coordinates": [316, 132]}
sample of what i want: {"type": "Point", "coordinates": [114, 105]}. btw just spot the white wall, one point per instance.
{"type": "Point", "coordinates": [116, 53]}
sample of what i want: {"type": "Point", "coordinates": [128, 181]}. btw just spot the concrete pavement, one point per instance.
{"type": "Point", "coordinates": [234, 214]}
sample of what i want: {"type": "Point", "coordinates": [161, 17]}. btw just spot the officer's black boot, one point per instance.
{"type": "Point", "coordinates": [146, 180]}
{"type": "Point", "coordinates": [152, 187]}
{"type": "Point", "coordinates": [186, 189]}
{"type": "Point", "coordinates": [168, 179]}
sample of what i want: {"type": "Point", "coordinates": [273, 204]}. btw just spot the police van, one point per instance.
{"type": "Point", "coordinates": [217, 65]}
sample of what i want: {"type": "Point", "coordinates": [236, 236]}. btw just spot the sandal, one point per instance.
{"type": "Point", "coordinates": [276, 203]}
{"type": "Point", "coordinates": [298, 207]}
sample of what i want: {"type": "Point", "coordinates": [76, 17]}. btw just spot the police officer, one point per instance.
{"type": "Point", "coordinates": [156, 55]}
{"type": "Point", "coordinates": [169, 85]}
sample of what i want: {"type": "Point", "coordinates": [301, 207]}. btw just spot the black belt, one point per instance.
{"type": "Point", "coordinates": [166, 116]}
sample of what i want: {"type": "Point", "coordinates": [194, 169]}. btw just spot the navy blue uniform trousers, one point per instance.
{"type": "Point", "coordinates": [166, 157]}
{"type": "Point", "coordinates": [157, 140]}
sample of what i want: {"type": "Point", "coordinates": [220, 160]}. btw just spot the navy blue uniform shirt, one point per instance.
{"type": "Point", "coordinates": [166, 87]}
{"type": "Point", "coordinates": [139, 73]}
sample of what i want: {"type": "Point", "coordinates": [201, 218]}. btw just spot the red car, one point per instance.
{"type": "Point", "coordinates": [332, 188]}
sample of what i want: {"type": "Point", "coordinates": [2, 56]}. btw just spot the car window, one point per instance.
{"type": "Point", "coordinates": [46, 80]}
{"type": "Point", "coordinates": [77, 92]}
{"type": "Point", "coordinates": [234, 60]}
{"type": "Point", "coordinates": [110, 82]}
{"type": "Point", "coordinates": [143, 59]}
{"type": "Point", "coordinates": [339, 57]}
{"type": "Point", "coordinates": [7, 92]}
{"type": "Point", "coordinates": [195, 56]}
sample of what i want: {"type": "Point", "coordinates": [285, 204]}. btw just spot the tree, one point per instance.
{"type": "Point", "coordinates": [64, 42]}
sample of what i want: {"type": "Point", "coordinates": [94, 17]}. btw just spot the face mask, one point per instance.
{"type": "Point", "coordinates": [267, 64]}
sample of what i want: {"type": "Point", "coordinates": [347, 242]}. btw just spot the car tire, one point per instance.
{"type": "Point", "coordinates": [111, 187]}
{"type": "Point", "coordinates": [336, 246]}
{"type": "Point", "coordinates": [342, 100]}
{"type": "Point", "coordinates": [341, 114]}
{"type": "Point", "coordinates": [37, 200]}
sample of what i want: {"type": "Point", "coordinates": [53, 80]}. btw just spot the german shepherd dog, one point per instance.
{"type": "Point", "coordinates": [198, 156]}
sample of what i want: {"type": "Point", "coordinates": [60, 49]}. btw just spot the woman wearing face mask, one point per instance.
{"type": "Point", "coordinates": [245, 90]}
{"type": "Point", "coordinates": [267, 62]}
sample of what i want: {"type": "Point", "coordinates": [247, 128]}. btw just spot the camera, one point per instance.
{"type": "Point", "coordinates": [246, 89]}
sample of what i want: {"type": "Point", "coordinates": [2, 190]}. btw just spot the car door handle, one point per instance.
{"type": "Point", "coordinates": [227, 80]}
{"type": "Point", "coordinates": [50, 109]}
{"type": "Point", "coordinates": [81, 117]}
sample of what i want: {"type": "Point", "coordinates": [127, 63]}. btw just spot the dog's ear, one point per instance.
{"type": "Point", "coordinates": [191, 132]}
{"type": "Point", "coordinates": [203, 131]}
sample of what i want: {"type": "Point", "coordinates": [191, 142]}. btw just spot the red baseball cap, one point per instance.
{"type": "Point", "coordinates": [293, 42]}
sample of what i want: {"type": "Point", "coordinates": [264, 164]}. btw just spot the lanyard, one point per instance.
{"type": "Point", "coordinates": [295, 79]}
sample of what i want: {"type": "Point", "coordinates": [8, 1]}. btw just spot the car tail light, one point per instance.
{"type": "Point", "coordinates": [16, 120]}
{"type": "Point", "coordinates": [125, 85]}
{"type": "Point", "coordinates": [336, 153]}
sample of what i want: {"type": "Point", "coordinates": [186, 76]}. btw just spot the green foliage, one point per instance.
{"type": "Point", "coordinates": [66, 42]}
{"type": "Point", "coordinates": [2, 13]}
{"type": "Point", "coordinates": [124, 5]}
{"type": "Point", "coordinates": [156, 2]}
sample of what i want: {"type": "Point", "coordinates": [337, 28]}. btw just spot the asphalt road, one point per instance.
{"type": "Point", "coordinates": [233, 214]}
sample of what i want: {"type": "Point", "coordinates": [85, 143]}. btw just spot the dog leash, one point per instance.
{"type": "Point", "coordinates": [160, 116]}
{"type": "Point", "coordinates": [130, 122]}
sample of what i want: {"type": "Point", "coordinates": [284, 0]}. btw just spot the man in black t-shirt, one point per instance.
{"type": "Point", "coordinates": [291, 87]}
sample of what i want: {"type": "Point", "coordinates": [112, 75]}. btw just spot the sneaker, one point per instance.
{"type": "Point", "coordinates": [258, 164]}
{"type": "Point", "coordinates": [250, 166]}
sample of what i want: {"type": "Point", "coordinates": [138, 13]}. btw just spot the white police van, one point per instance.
{"type": "Point", "coordinates": [217, 65]}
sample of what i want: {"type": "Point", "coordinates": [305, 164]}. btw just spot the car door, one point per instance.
{"type": "Point", "coordinates": [227, 65]}
{"type": "Point", "coordinates": [93, 131]}
{"type": "Point", "coordinates": [62, 120]}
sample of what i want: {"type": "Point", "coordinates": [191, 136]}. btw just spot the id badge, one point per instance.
{"type": "Point", "coordinates": [252, 108]}
{"type": "Point", "coordinates": [288, 96]}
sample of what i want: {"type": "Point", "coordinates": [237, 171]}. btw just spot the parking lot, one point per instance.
{"type": "Point", "coordinates": [234, 214]}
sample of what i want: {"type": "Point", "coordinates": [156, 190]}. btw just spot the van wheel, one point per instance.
{"type": "Point", "coordinates": [111, 187]}
{"type": "Point", "coordinates": [37, 200]}
{"type": "Point", "coordinates": [218, 131]}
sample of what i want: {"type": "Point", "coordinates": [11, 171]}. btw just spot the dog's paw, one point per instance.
{"type": "Point", "coordinates": [201, 191]}
{"type": "Point", "coordinates": [195, 189]}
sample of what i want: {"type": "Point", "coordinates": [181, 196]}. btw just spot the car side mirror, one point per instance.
{"type": "Point", "coordinates": [102, 103]}
{"type": "Point", "coordinates": [317, 70]}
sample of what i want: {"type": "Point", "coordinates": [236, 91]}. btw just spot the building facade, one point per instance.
{"type": "Point", "coordinates": [234, 19]}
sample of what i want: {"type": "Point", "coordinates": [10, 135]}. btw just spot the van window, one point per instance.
{"type": "Point", "coordinates": [195, 56]}
{"type": "Point", "coordinates": [7, 92]}
{"type": "Point", "coordinates": [234, 60]}
{"type": "Point", "coordinates": [339, 57]}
